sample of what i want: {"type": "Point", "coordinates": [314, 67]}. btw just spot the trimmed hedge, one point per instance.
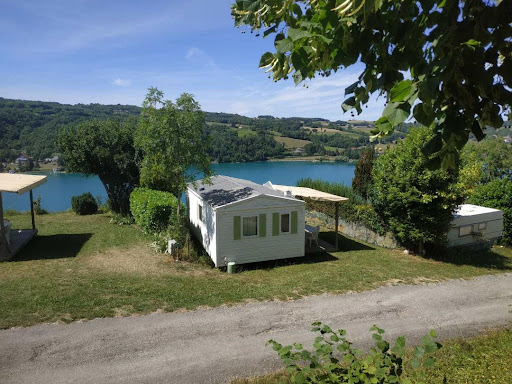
{"type": "Point", "coordinates": [84, 204]}
{"type": "Point", "coordinates": [153, 211]}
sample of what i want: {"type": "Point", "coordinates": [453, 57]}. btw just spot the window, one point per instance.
{"type": "Point", "coordinates": [465, 230]}
{"type": "Point", "coordinates": [285, 222]}
{"type": "Point", "coordinates": [250, 226]}
{"type": "Point", "coordinates": [200, 212]}
{"type": "Point", "coordinates": [482, 226]}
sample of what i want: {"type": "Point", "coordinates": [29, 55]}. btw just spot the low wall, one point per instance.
{"type": "Point", "coordinates": [353, 230]}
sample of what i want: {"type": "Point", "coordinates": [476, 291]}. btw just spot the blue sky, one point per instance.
{"type": "Point", "coordinates": [109, 52]}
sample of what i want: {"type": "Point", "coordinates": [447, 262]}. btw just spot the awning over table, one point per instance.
{"type": "Point", "coordinates": [310, 193]}
{"type": "Point", "coordinates": [316, 195]}
{"type": "Point", "coordinates": [19, 184]}
{"type": "Point", "coordinates": [16, 183]}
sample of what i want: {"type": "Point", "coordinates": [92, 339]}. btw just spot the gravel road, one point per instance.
{"type": "Point", "coordinates": [214, 345]}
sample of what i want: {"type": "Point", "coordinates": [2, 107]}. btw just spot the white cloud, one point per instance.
{"type": "Point", "coordinates": [122, 82]}
{"type": "Point", "coordinates": [198, 56]}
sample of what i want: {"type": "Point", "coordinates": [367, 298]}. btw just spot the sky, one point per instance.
{"type": "Point", "coordinates": [110, 52]}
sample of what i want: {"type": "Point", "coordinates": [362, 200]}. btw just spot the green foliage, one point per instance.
{"type": "Point", "coordinates": [335, 360]}
{"type": "Point", "coordinates": [171, 139]}
{"type": "Point", "coordinates": [457, 54]}
{"type": "Point", "coordinates": [493, 154]}
{"type": "Point", "coordinates": [362, 181]}
{"type": "Point", "coordinates": [415, 202]}
{"type": "Point", "coordinates": [104, 148]}
{"type": "Point", "coordinates": [152, 210]}
{"type": "Point", "coordinates": [497, 194]}
{"type": "Point", "coordinates": [38, 208]}
{"type": "Point", "coordinates": [84, 204]}
{"type": "Point", "coordinates": [355, 210]}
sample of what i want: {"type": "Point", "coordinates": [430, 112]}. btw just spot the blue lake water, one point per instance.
{"type": "Point", "coordinates": [57, 191]}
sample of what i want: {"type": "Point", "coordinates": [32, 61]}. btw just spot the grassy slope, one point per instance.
{"type": "Point", "coordinates": [85, 267]}
{"type": "Point", "coordinates": [291, 143]}
{"type": "Point", "coordinates": [486, 359]}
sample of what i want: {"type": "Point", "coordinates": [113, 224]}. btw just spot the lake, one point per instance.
{"type": "Point", "coordinates": [57, 191]}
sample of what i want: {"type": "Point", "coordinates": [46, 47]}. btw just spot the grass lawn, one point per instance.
{"type": "Point", "coordinates": [485, 359]}
{"type": "Point", "coordinates": [82, 267]}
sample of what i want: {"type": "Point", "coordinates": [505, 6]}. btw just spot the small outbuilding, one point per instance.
{"type": "Point", "coordinates": [243, 222]}
{"type": "Point", "coordinates": [475, 226]}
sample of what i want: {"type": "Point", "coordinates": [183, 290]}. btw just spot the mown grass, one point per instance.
{"type": "Point", "coordinates": [291, 143]}
{"type": "Point", "coordinates": [82, 267]}
{"type": "Point", "coordinates": [485, 359]}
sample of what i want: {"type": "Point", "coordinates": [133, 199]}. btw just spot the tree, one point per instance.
{"type": "Point", "coordinates": [362, 181]}
{"type": "Point", "coordinates": [416, 203]}
{"type": "Point", "coordinates": [103, 148]}
{"type": "Point", "coordinates": [172, 142]}
{"type": "Point", "coordinates": [457, 53]}
{"type": "Point", "coordinates": [494, 155]}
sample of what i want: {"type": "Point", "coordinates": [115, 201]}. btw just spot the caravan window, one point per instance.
{"type": "Point", "coordinates": [482, 226]}
{"type": "Point", "coordinates": [466, 230]}
{"type": "Point", "coordinates": [250, 226]}
{"type": "Point", "coordinates": [200, 215]}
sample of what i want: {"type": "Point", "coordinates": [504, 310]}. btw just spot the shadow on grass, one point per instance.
{"type": "Point", "coordinates": [310, 258]}
{"type": "Point", "coordinates": [484, 258]}
{"type": "Point", "coordinates": [345, 244]}
{"type": "Point", "coordinates": [53, 247]}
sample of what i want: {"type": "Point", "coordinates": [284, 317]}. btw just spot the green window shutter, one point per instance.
{"type": "Point", "coordinates": [236, 228]}
{"type": "Point", "coordinates": [275, 224]}
{"type": "Point", "coordinates": [294, 222]}
{"type": "Point", "coordinates": [263, 225]}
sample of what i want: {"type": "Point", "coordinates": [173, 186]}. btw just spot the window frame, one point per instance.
{"type": "Point", "coordinates": [281, 223]}
{"type": "Point", "coordinates": [466, 226]}
{"type": "Point", "coordinates": [200, 212]}
{"type": "Point", "coordinates": [242, 223]}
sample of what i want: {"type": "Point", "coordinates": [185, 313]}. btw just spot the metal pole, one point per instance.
{"type": "Point", "coordinates": [32, 210]}
{"type": "Point", "coordinates": [336, 219]}
{"type": "Point", "coordinates": [5, 253]}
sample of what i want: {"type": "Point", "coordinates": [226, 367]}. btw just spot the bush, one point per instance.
{"type": "Point", "coordinates": [497, 194]}
{"type": "Point", "coordinates": [153, 211]}
{"type": "Point", "coordinates": [38, 208]}
{"type": "Point", "coordinates": [335, 360]}
{"type": "Point", "coordinates": [84, 204]}
{"type": "Point", "coordinates": [415, 202]}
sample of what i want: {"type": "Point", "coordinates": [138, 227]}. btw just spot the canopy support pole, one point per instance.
{"type": "Point", "coordinates": [32, 210]}
{"type": "Point", "coordinates": [5, 253]}
{"type": "Point", "coordinates": [336, 220]}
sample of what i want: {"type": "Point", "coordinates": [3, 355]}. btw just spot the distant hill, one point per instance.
{"type": "Point", "coordinates": [31, 127]}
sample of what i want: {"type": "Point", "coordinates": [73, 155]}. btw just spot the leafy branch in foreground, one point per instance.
{"type": "Point", "coordinates": [457, 53]}
{"type": "Point", "coordinates": [335, 360]}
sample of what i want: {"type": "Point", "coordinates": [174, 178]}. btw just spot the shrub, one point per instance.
{"type": "Point", "coordinates": [415, 202]}
{"type": "Point", "coordinates": [84, 204]}
{"type": "Point", "coordinates": [153, 211]}
{"type": "Point", "coordinates": [335, 360]}
{"type": "Point", "coordinates": [497, 194]}
{"type": "Point", "coordinates": [38, 208]}
{"type": "Point", "coordinates": [362, 181]}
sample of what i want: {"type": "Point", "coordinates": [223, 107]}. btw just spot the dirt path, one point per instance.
{"type": "Point", "coordinates": [214, 345]}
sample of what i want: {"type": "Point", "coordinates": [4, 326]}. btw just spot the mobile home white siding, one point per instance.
{"type": "Point", "coordinates": [205, 229]}
{"type": "Point", "coordinates": [248, 249]}
{"type": "Point", "coordinates": [474, 225]}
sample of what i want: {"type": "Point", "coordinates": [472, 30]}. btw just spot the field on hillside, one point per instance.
{"type": "Point", "coordinates": [291, 143]}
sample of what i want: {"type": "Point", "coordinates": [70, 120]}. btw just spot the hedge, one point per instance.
{"type": "Point", "coordinates": [84, 204]}
{"type": "Point", "coordinates": [153, 211]}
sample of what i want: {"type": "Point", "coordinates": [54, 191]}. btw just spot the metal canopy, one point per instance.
{"type": "Point", "coordinates": [16, 183]}
{"type": "Point", "coordinates": [310, 193]}
{"type": "Point", "coordinates": [316, 195]}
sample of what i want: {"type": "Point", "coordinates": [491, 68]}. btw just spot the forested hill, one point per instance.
{"type": "Point", "coordinates": [31, 126]}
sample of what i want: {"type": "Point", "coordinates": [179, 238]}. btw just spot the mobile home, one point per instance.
{"type": "Point", "coordinates": [243, 222]}
{"type": "Point", "coordinates": [475, 226]}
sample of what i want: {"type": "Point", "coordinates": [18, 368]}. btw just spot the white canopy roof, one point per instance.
{"type": "Point", "coordinates": [309, 193]}
{"type": "Point", "coordinates": [18, 183]}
